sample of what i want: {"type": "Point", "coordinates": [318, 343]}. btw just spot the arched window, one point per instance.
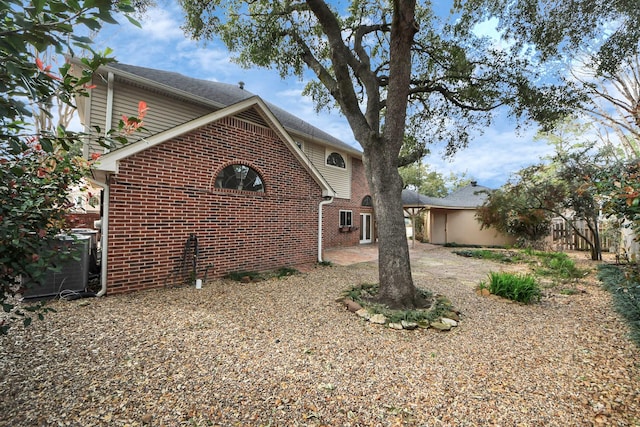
{"type": "Point", "coordinates": [366, 201]}
{"type": "Point", "coordinates": [335, 159]}
{"type": "Point", "coordinates": [239, 177]}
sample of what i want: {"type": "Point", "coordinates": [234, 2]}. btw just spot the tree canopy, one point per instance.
{"type": "Point", "coordinates": [561, 29]}
{"type": "Point", "coordinates": [456, 79]}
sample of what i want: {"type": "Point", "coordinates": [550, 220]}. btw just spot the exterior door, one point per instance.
{"type": "Point", "coordinates": [365, 228]}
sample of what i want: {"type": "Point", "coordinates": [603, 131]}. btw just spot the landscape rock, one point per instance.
{"type": "Point", "coordinates": [449, 322]}
{"type": "Point", "coordinates": [364, 313]}
{"type": "Point", "coordinates": [423, 325]}
{"type": "Point", "coordinates": [440, 326]}
{"type": "Point", "coordinates": [396, 326]}
{"type": "Point", "coordinates": [409, 325]}
{"type": "Point", "coordinates": [378, 319]}
{"type": "Point", "coordinates": [452, 315]}
{"type": "Point", "coordinates": [352, 306]}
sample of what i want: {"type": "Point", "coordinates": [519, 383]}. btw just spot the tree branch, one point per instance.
{"type": "Point", "coordinates": [343, 61]}
{"type": "Point", "coordinates": [450, 96]}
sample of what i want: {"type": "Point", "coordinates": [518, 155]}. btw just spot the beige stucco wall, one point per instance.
{"type": "Point", "coordinates": [460, 226]}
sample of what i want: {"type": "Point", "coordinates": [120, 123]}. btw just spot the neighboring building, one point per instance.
{"type": "Point", "coordinates": [223, 182]}
{"type": "Point", "coordinates": [452, 219]}
{"type": "Point", "coordinates": [86, 206]}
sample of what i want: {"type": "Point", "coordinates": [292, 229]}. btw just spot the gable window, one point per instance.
{"type": "Point", "coordinates": [335, 159]}
{"type": "Point", "coordinates": [366, 201]}
{"type": "Point", "coordinates": [240, 177]}
{"type": "Point", "coordinates": [346, 218]}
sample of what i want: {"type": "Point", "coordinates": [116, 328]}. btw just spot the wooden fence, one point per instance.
{"type": "Point", "coordinates": [564, 238]}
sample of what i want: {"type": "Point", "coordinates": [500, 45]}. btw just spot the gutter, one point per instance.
{"type": "Point", "coordinates": [322, 203]}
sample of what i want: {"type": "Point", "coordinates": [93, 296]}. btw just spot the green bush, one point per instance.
{"type": "Point", "coordinates": [517, 287]}
{"type": "Point", "coordinates": [502, 256]}
{"type": "Point", "coordinates": [558, 264]}
{"type": "Point", "coordinates": [624, 285]}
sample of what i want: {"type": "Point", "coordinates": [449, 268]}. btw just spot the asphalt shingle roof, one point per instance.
{"type": "Point", "coordinates": [225, 94]}
{"type": "Point", "coordinates": [412, 198]}
{"type": "Point", "coordinates": [470, 196]}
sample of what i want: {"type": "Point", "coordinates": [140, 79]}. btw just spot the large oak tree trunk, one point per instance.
{"type": "Point", "coordinates": [396, 284]}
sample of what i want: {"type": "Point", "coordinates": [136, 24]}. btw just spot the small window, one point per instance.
{"type": "Point", "coordinates": [366, 201]}
{"type": "Point", "coordinates": [335, 159]}
{"type": "Point", "coordinates": [346, 218]}
{"type": "Point", "coordinates": [239, 177]}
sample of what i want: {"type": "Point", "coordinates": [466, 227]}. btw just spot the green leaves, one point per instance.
{"type": "Point", "coordinates": [33, 206]}
{"type": "Point", "coordinates": [517, 287]}
{"type": "Point", "coordinates": [36, 168]}
{"type": "Point", "coordinates": [619, 186]}
{"type": "Point", "coordinates": [30, 27]}
{"type": "Point", "coordinates": [557, 29]}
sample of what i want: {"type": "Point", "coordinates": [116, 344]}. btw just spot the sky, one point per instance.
{"type": "Point", "coordinates": [490, 158]}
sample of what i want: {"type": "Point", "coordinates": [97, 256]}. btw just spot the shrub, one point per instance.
{"type": "Point", "coordinates": [517, 287]}
{"type": "Point", "coordinates": [557, 264]}
{"type": "Point", "coordinates": [624, 285]}
{"type": "Point", "coordinates": [501, 256]}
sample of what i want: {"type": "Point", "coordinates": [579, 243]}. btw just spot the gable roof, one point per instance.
{"type": "Point", "coordinates": [109, 162]}
{"type": "Point", "coordinates": [221, 95]}
{"type": "Point", "coordinates": [413, 198]}
{"type": "Point", "coordinates": [467, 197]}
{"type": "Point", "coordinates": [470, 196]}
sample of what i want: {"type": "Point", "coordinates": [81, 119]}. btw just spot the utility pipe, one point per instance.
{"type": "Point", "coordinates": [104, 238]}
{"type": "Point", "coordinates": [322, 203]}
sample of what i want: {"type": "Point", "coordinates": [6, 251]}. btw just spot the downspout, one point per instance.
{"type": "Point", "coordinates": [322, 203]}
{"type": "Point", "coordinates": [104, 236]}
{"type": "Point", "coordinates": [108, 120]}
{"type": "Point", "coordinates": [104, 239]}
{"type": "Point", "coordinates": [104, 221]}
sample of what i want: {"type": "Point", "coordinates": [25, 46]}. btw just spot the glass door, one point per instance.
{"type": "Point", "coordinates": [365, 228]}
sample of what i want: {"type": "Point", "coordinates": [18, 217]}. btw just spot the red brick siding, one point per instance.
{"type": "Point", "coordinates": [332, 236]}
{"type": "Point", "coordinates": [165, 193]}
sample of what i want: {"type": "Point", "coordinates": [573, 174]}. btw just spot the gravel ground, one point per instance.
{"type": "Point", "coordinates": [282, 352]}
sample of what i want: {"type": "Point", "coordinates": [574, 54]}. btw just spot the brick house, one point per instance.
{"type": "Point", "coordinates": [222, 182]}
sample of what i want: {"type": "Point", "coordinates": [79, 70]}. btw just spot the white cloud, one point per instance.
{"type": "Point", "coordinates": [161, 25]}
{"type": "Point", "coordinates": [492, 157]}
